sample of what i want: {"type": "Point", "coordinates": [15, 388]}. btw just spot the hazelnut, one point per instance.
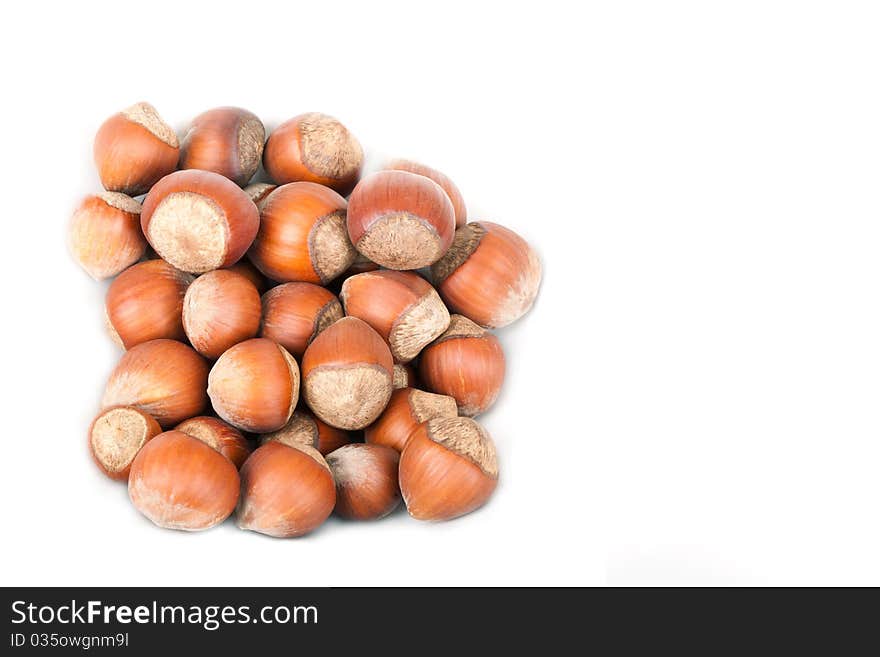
{"type": "Point", "coordinates": [358, 290]}
{"type": "Point", "coordinates": [441, 179]}
{"type": "Point", "coordinates": [366, 481]}
{"type": "Point", "coordinates": [285, 491]}
{"type": "Point", "coordinates": [401, 306]}
{"type": "Point", "coordinates": [400, 220]}
{"type": "Point", "coordinates": [490, 274]}
{"type": "Point", "coordinates": [133, 149]}
{"type": "Point", "coordinates": [105, 234]}
{"type": "Point", "coordinates": [302, 235]}
{"type": "Point", "coordinates": [163, 378]}
{"type": "Point", "coordinates": [305, 429]}
{"type": "Point", "coordinates": [257, 192]}
{"type": "Point", "coordinates": [199, 220]}
{"type": "Point", "coordinates": [221, 308]}
{"type": "Point", "coordinates": [116, 435]}
{"type": "Point", "coordinates": [447, 469]}
{"type": "Point", "coordinates": [315, 148]}
{"type": "Point", "coordinates": [255, 386]}
{"type": "Point", "coordinates": [406, 410]}
{"type": "Point", "coordinates": [145, 302]}
{"type": "Point", "coordinates": [404, 376]}
{"type": "Point", "coordinates": [179, 482]}
{"type": "Point", "coordinates": [346, 374]}
{"type": "Point", "coordinates": [466, 363]}
{"type": "Point", "coordinates": [223, 437]}
{"type": "Point", "coordinates": [294, 313]}
{"type": "Point", "coordinates": [226, 140]}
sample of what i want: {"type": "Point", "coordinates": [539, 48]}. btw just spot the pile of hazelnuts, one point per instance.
{"type": "Point", "coordinates": [272, 329]}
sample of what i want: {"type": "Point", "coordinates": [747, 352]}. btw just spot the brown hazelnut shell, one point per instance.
{"type": "Point", "coordinates": [452, 191]}
{"type": "Point", "coordinates": [145, 302]}
{"type": "Point", "coordinates": [447, 469]}
{"type": "Point", "coordinates": [164, 378]}
{"type": "Point", "coordinates": [347, 373]}
{"type": "Point", "coordinates": [466, 363]}
{"type": "Point", "coordinates": [225, 140]}
{"type": "Point", "coordinates": [179, 482]}
{"type": "Point", "coordinates": [366, 481]}
{"type": "Point", "coordinates": [302, 235]}
{"type": "Point", "coordinates": [400, 306]}
{"type": "Point", "coordinates": [285, 491]}
{"type": "Point", "coordinates": [490, 274]}
{"type": "Point", "coordinates": [254, 386]}
{"type": "Point", "coordinates": [105, 235]}
{"type": "Point", "coordinates": [316, 148]}
{"type": "Point", "coordinates": [199, 220]}
{"type": "Point", "coordinates": [221, 308]}
{"type": "Point", "coordinates": [400, 220]}
{"type": "Point", "coordinates": [295, 313]}
{"type": "Point", "coordinates": [133, 149]}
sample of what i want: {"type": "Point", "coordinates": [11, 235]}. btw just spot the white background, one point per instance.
{"type": "Point", "coordinates": [693, 399]}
